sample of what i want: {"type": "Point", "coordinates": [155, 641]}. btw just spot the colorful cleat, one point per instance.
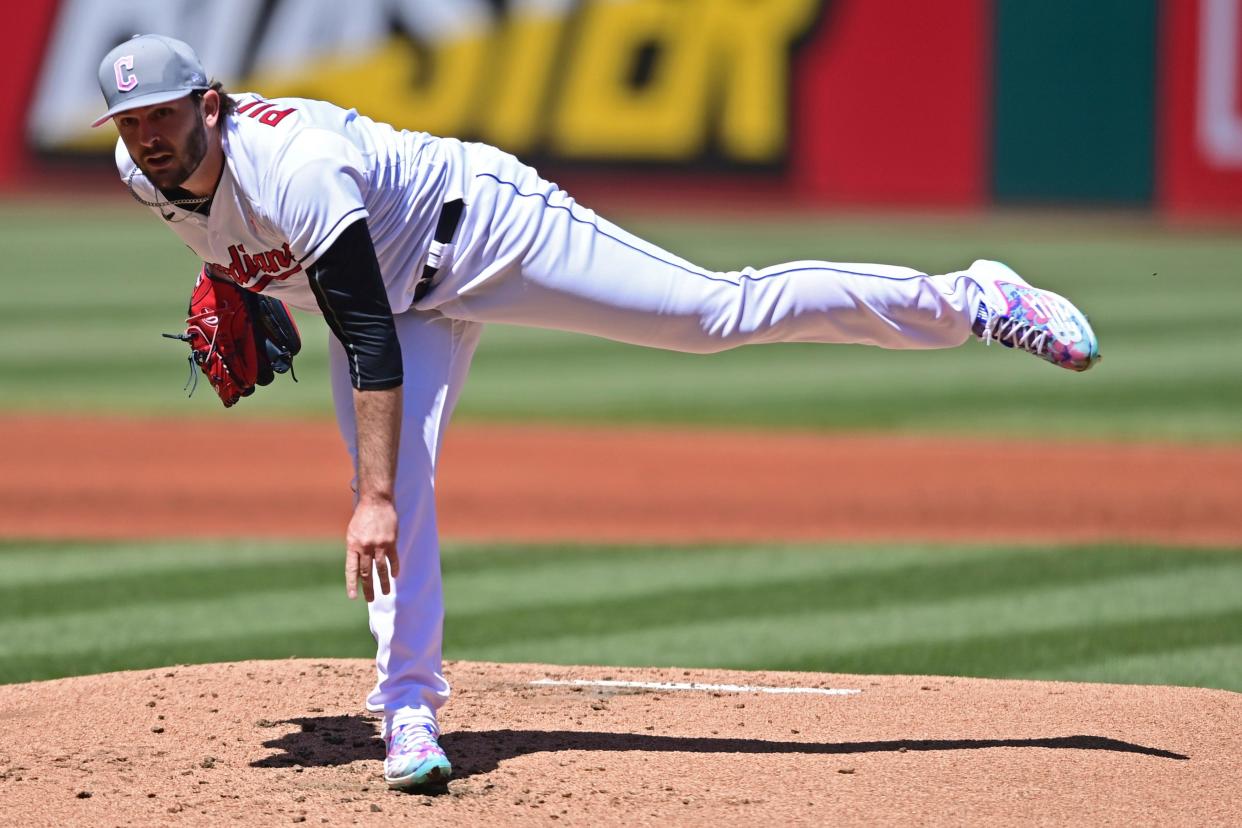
{"type": "Point", "coordinates": [415, 759]}
{"type": "Point", "coordinates": [1040, 322]}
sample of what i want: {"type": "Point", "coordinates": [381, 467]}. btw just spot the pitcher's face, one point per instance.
{"type": "Point", "coordinates": [167, 141]}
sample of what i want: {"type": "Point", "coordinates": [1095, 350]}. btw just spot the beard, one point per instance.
{"type": "Point", "coordinates": [183, 163]}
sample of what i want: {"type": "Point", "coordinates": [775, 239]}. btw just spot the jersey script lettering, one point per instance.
{"type": "Point", "coordinates": [276, 265]}
{"type": "Point", "coordinates": [264, 113]}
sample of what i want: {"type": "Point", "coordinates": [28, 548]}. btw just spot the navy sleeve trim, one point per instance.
{"type": "Point", "coordinates": [349, 288]}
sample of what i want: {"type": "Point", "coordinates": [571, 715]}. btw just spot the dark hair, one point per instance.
{"type": "Point", "coordinates": [227, 105]}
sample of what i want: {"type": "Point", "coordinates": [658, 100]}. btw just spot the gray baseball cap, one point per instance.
{"type": "Point", "coordinates": [146, 70]}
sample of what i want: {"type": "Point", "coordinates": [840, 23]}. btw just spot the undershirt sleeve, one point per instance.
{"type": "Point", "coordinates": [350, 291]}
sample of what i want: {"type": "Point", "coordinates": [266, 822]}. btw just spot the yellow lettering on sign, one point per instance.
{"type": "Point", "coordinates": [751, 57]}
{"type": "Point", "coordinates": [513, 108]}
{"type": "Point", "coordinates": [379, 84]}
{"type": "Point", "coordinates": [709, 58]}
{"type": "Point", "coordinates": [601, 113]}
{"type": "Point", "coordinates": [663, 80]}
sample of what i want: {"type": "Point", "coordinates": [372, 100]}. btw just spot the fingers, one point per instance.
{"type": "Point", "coordinates": [362, 567]}
{"type": "Point", "coordinates": [381, 569]}
{"type": "Point", "coordinates": [351, 573]}
{"type": "Point", "coordinates": [371, 550]}
{"type": "Point", "coordinates": [365, 568]}
{"type": "Point", "coordinates": [384, 561]}
{"type": "Point", "coordinates": [358, 569]}
{"type": "Point", "coordinates": [393, 565]}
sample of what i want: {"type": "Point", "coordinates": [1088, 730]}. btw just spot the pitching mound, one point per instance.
{"type": "Point", "coordinates": [283, 742]}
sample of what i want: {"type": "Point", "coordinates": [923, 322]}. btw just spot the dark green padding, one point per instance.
{"type": "Point", "coordinates": [1074, 101]}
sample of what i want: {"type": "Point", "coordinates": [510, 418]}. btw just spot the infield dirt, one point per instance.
{"type": "Point", "coordinates": [281, 742]}
{"type": "Point", "coordinates": [130, 478]}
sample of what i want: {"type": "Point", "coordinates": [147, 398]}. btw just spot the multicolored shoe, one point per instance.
{"type": "Point", "coordinates": [1040, 322]}
{"type": "Point", "coordinates": [415, 759]}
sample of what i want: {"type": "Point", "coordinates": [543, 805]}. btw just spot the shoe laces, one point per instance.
{"type": "Point", "coordinates": [406, 740]}
{"type": "Point", "coordinates": [1015, 333]}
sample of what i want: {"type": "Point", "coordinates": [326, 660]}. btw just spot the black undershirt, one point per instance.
{"type": "Point", "coordinates": [178, 194]}
{"type": "Point", "coordinates": [347, 284]}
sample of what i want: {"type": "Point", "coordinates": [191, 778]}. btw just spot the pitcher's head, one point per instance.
{"type": "Point", "coordinates": [162, 104]}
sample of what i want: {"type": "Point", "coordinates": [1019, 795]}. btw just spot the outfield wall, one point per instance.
{"type": "Point", "coordinates": [949, 103]}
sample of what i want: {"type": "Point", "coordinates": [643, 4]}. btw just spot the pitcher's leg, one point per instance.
{"type": "Point", "coordinates": [408, 622]}
{"type": "Point", "coordinates": [529, 254]}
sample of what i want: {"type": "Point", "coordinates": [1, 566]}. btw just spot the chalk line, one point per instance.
{"type": "Point", "coordinates": [677, 685]}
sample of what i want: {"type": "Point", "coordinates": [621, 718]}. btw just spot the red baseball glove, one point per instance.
{"type": "Point", "coordinates": [238, 339]}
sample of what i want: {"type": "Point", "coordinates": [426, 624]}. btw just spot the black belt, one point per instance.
{"type": "Point", "coordinates": [450, 217]}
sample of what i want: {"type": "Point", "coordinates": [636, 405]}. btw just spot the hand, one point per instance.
{"type": "Point", "coordinates": [370, 543]}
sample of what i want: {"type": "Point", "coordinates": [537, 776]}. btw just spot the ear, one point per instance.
{"type": "Point", "coordinates": [211, 108]}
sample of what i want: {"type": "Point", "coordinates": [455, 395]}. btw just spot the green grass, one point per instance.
{"type": "Point", "coordinates": [1148, 615]}
{"type": "Point", "coordinates": [88, 289]}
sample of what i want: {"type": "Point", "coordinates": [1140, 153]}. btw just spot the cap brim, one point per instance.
{"type": "Point", "coordinates": [144, 100]}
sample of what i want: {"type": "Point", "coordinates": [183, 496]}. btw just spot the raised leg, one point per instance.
{"type": "Point", "coordinates": [528, 254]}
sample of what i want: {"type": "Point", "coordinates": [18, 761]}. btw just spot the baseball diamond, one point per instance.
{"type": "Point", "coordinates": [409, 243]}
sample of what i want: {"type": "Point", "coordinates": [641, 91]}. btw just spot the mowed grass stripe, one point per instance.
{"type": "Point", "coordinates": [53, 579]}
{"type": "Point", "coordinates": [586, 580]}
{"type": "Point", "coordinates": [999, 572]}
{"type": "Point", "coordinates": [540, 592]}
{"type": "Point", "coordinates": [167, 588]}
{"type": "Point", "coordinates": [57, 577]}
{"type": "Point", "coordinates": [218, 612]}
{"type": "Point", "coordinates": [834, 388]}
{"type": "Point", "coordinates": [828, 607]}
{"type": "Point", "coordinates": [39, 562]}
{"type": "Point", "coordinates": [818, 636]}
{"type": "Point", "coordinates": [337, 641]}
{"type": "Point", "coordinates": [1200, 664]}
{"type": "Point", "coordinates": [1016, 654]}
{"type": "Point", "coordinates": [1161, 299]}
{"type": "Point", "coordinates": [830, 635]}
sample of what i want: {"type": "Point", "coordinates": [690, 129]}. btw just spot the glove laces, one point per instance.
{"type": "Point", "coordinates": [195, 358]}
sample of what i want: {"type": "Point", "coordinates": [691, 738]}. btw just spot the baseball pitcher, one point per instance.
{"type": "Point", "coordinates": [408, 243]}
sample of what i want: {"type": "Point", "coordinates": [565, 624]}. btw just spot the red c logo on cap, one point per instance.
{"type": "Point", "coordinates": [125, 82]}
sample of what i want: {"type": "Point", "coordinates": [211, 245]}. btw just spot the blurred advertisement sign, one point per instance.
{"type": "Point", "coordinates": [816, 101]}
{"type": "Point", "coordinates": [613, 80]}
{"type": "Point", "coordinates": [1201, 131]}
{"type": "Point", "coordinates": [1219, 122]}
{"type": "Point", "coordinates": [892, 103]}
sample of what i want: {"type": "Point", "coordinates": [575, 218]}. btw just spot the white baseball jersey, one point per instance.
{"type": "Point", "coordinates": [297, 172]}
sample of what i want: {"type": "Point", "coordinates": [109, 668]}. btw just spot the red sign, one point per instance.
{"type": "Point", "coordinates": [892, 103]}
{"type": "Point", "coordinates": [26, 27]}
{"type": "Point", "coordinates": [1201, 103]}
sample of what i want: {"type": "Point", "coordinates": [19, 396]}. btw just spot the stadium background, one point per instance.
{"type": "Point", "coordinates": [1096, 147]}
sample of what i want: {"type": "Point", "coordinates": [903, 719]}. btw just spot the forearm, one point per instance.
{"type": "Point", "coordinates": [378, 416]}
{"type": "Point", "coordinates": [349, 288]}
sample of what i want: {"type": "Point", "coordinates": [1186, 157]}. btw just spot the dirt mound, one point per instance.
{"type": "Point", "coordinates": [282, 742]}
{"type": "Point", "coordinates": [120, 478]}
